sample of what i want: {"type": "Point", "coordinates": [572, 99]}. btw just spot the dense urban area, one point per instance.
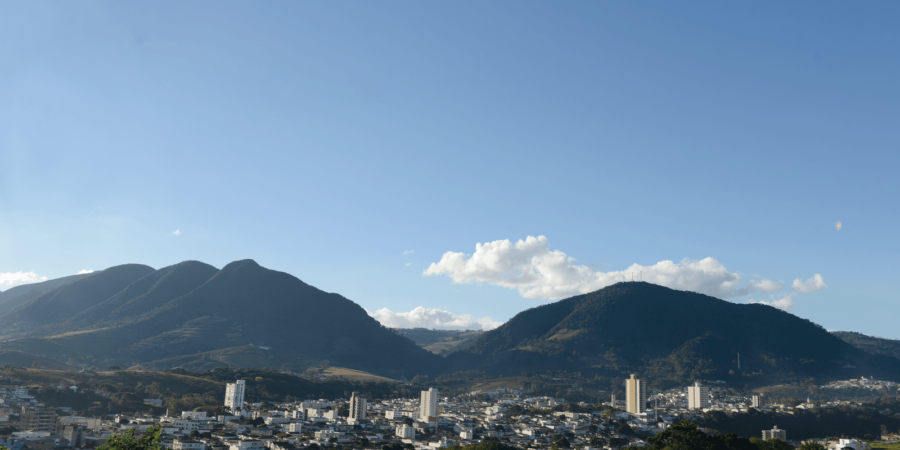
{"type": "Point", "coordinates": [503, 416]}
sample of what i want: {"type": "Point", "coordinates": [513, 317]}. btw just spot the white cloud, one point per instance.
{"type": "Point", "coordinates": [408, 264]}
{"type": "Point", "coordinates": [177, 232]}
{"type": "Point", "coordinates": [538, 272]}
{"type": "Point", "coordinates": [441, 319]}
{"type": "Point", "coordinates": [815, 283]}
{"type": "Point", "coordinates": [13, 279]}
{"type": "Point", "coordinates": [408, 252]}
{"type": "Point", "coordinates": [82, 272]}
{"type": "Point", "coordinates": [785, 303]}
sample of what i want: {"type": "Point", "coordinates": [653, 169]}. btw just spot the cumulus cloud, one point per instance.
{"type": "Point", "coordinates": [13, 279]}
{"type": "Point", "coordinates": [815, 283]}
{"type": "Point", "coordinates": [408, 252]}
{"type": "Point", "coordinates": [785, 303]}
{"type": "Point", "coordinates": [177, 232]}
{"type": "Point", "coordinates": [530, 267]}
{"type": "Point", "coordinates": [82, 272]}
{"type": "Point", "coordinates": [538, 272]}
{"type": "Point", "coordinates": [441, 319]}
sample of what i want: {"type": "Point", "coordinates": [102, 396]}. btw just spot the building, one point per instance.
{"type": "Point", "coordinates": [635, 395]}
{"type": "Point", "coordinates": [73, 433]}
{"type": "Point", "coordinates": [87, 422]}
{"type": "Point", "coordinates": [187, 444]}
{"type": "Point", "coordinates": [774, 433]}
{"type": "Point", "coordinates": [357, 407]}
{"type": "Point", "coordinates": [428, 405]}
{"type": "Point", "coordinates": [698, 396]}
{"type": "Point", "coordinates": [234, 395]}
{"type": "Point", "coordinates": [405, 431]}
{"type": "Point", "coordinates": [37, 419]}
{"type": "Point", "coordinates": [756, 401]}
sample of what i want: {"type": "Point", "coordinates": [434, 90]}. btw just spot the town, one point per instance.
{"type": "Point", "coordinates": [430, 422]}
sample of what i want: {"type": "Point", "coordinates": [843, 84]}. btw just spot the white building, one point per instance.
{"type": "Point", "coordinates": [428, 405]}
{"type": "Point", "coordinates": [234, 395]}
{"type": "Point", "coordinates": [405, 431]}
{"type": "Point", "coordinates": [193, 415]}
{"type": "Point", "coordinates": [635, 395]}
{"type": "Point", "coordinates": [756, 401]}
{"type": "Point", "coordinates": [357, 407]}
{"type": "Point", "coordinates": [698, 396]}
{"type": "Point", "coordinates": [774, 433]}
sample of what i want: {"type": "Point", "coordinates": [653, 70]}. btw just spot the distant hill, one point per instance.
{"type": "Point", "coordinates": [194, 316]}
{"type": "Point", "coordinates": [665, 334]}
{"type": "Point", "coordinates": [439, 342]}
{"type": "Point", "coordinates": [13, 298]}
{"type": "Point", "coordinates": [871, 344]}
{"type": "Point", "coordinates": [197, 317]}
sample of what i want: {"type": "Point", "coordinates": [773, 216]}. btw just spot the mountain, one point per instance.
{"type": "Point", "coordinates": [61, 303]}
{"type": "Point", "coordinates": [194, 316]}
{"type": "Point", "coordinates": [12, 298]}
{"type": "Point", "coordinates": [439, 342]}
{"type": "Point", "coordinates": [665, 334]}
{"type": "Point", "coordinates": [871, 344]}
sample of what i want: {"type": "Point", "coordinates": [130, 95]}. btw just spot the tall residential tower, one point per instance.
{"type": "Point", "coordinates": [698, 396]}
{"type": "Point", "coordinates": [357, 407]}
{"type": "Point", "coordinates": [635, 395]}
{"type": "Point", "coordinates": [234, 395]}
{"type": "Point", "coordinates": [428, 405]}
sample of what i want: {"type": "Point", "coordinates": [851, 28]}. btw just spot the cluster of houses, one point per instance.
{"type": "Point", "coordinates": [430, 422]}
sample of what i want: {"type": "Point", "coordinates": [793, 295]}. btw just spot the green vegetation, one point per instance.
{"type": "Point", "coordinates": [687, 436]}
{"type": "Point", "coordinates": [122, 391]}
{"type": "Point", "coordinates": [439, 342]}
{"type": "Point", "coordinates": [150, 440]}
{"type": "Point", "coordinates": [864, 421]}
{"type": "Point", "coordinates": [871, 344]}
{"type": "Point", "coordinates": [196, 317]}
{"type": "Point", "coordinates": [641, 328]}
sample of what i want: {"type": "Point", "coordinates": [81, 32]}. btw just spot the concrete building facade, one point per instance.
{"type": "Point", "coordinates": [428, 405]}
{"type": "Point", "coordinates": [698, 396]}
{"type": "Point", "coordinates": [357, 407]}
{"type": "Point", "coordinates": [234, 395]}
{"type": "Point", "coordinates": [635, 395]}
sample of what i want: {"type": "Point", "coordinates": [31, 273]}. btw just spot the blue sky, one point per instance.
{"type": "Point", "coordinates": [353, 144]}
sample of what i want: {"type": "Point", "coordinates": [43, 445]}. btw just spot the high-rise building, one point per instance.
{"type": "Point", "coordinates": [37, 419]}
{"type": "Point", "coordinates": [756, 401]}
{"type": "Point", "coordinates": [234, 395]}
{"type": "Point", "coordinates": [357, 407]}
{"type": "Point", "coordinates": [428, 405]}
{"type": "Point", "coordinates": [635, 395]}
{"type": "Point", "coordinates": [774, 433]}
{"type": "Point", "coordinates": [698, 396]}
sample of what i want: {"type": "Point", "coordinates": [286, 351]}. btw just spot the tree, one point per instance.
{"type": "Point", "coordinates": [36, 365]}
{"type": "Point", "coordinates": [151, 440]}
{"type": "Point", "coordinates": [811, 445]}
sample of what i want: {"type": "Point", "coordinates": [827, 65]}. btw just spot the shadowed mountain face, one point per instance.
{"type": "Point", "coordinates": [871, 344]}
{"type": "Point", "coordinates": [193, 315]}
{"type": "Point", "coordinates": [13, 298]}
{"type": "Point", "coordinates": [666, 334]}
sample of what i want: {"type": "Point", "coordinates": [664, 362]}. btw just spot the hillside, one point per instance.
{"type": "Point", "coordinates": [439, 342]}
{"type": "Point", "coordinates": [13, 298]}
{"type": "Point", "coordinates": [871, 344]}
{"type": "Point", "coordinates": [669, 336]}
{"type": "Point", "coordinates": [193, 316]}
{"type": "Point", "coordinates": [103, 392]}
